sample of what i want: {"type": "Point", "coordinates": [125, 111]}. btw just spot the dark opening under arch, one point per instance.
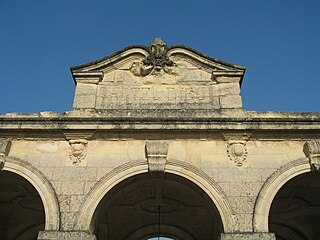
{"type": "Point", "coordinates": [295, 210]}
{"type": "Point", "coordinates": [130, 210]}
{"type": "Point", "coordinates": [22, 213]}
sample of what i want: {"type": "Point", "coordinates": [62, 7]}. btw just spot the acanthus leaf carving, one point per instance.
{"type": "Point", "coordinates": [4, 151]}
{"type": "Point", "coordinates": [312, 151]}
{"type": "Point", "coordinates": [156, 152]}
{"type": "Point", "coordinates": [155, 62]}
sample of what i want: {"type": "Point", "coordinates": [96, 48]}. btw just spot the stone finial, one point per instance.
{"type": "Point", "coordinates": [76, 153]}
{"type": "Point", "coordinates": [312, 151]}
{"type": "Point", "coordinates": [4, 151]}
{"type": "Point", "coordinates": [155, 62]}
{"type": "Point", "coordinates": [156, 152]}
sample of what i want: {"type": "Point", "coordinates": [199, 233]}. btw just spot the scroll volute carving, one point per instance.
{"type": "Point", "coordinates": [4, 151]}
{"type": "Point", "coordinates": [312, 151]}
{"type": "Point", "coordinates": [156, 62]}
{"type": "Point", "coordinates": [156, 152]}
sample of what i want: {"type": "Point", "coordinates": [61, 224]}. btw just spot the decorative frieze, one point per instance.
{"type": "Point", "coordinates": [312, 151]}
{"type": "Point", "coordinates": [156, 152]}
{"type": "Point", "coordinates": [4, 151]}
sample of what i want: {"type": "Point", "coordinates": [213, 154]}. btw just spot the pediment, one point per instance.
{"type": "Point", "coordinates": [157, 77]}
{"type": "Point", "coordinates": [158, 63]}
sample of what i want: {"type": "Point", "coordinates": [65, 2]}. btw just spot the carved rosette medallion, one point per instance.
{"type": "Point", "coordinates": [4, 151]}
{"type": "Point", "coordinates": [312, 151]}
{"type": "Point", "coordinates": [77, 149]}
{"type": "Point", "coordinates": [156, 152]}
{"type": "Point", "coordinates": [237, 152]}
{"type": "Point", "coordinates": [156, 62]}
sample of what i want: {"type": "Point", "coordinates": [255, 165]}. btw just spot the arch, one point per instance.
{"type": "Point", "coordinates": [170, 232]}
{"type": "Point", "coordinates": [43, 187]}
{"type": "Point", "coordinates": [185, 170]}
{"type": "Point", "coordinates": [270, 189]}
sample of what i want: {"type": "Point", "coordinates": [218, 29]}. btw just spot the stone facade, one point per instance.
{"type": "Point", "coordinates": [157, 142]}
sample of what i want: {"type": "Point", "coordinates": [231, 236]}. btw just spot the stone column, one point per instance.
{"type": "Point", "coordinates": [70, 235]}
{"type": "Point", "coordinates": [248, 236]}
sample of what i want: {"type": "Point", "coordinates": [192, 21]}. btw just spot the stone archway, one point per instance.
{"type": "Point", "coordinates": [295, 210]}
{"type": "Point", "coordinates": [84, 221]}
{"type": "Point", "coordinates": [21, 209]}
{"type": "Point", "coordinates": [270, 189]}
{"type": "Point", "coordinates": [32, 176]}
{"type": "Point", "coordinates": [148, 205]}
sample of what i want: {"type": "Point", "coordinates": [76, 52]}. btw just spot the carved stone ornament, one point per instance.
{"type": "Point", "coordinates": [4, 151]}
{"type": "Point", "coordinates": [237, 152]}
{"type": "Point", "coordinates": [312, 151]}
{"type": "Point", "coordinates": [78, 147]}
{"type": "Point", "coordinates": [156, 152]}
{"type": "Point", "coordinates": [155, 62]}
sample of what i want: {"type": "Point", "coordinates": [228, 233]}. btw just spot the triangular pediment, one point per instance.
{"type": "Point", "coordinates": [138, 76]}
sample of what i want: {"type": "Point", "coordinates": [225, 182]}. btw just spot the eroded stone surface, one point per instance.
{"type": "Point", "coordinates": [162, 94]}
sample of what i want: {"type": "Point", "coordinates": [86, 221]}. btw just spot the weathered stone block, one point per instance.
{"type": "Point", "coordinates": [86, 89]}
{"type": "Point", "coordinates": [59, 235]}
{"type": "Point", "coordinates": [85, 101]}
{"type": "Point", "coordinates": [74, 173]}
{"type": "Point", "coordinates": [248, 236]}
{"type": "Point", "coordinates": [67, 220]}
{"type": "Point", "coordinates": [68, 187]}
{"type": "Point", "coordinates": [231, 101]}
{"type": "Point", "coordinates": [229, 89]}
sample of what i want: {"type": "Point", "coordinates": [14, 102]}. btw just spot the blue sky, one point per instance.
{"type": "Point", "coordinates": [278, 42]}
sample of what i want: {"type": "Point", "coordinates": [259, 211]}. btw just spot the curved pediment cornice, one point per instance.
{"type": "Point", "coordinates": [153, 60]}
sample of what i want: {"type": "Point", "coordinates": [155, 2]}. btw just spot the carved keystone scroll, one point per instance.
{"type": "Point", "coordinates": [156, 152]}
{"type": "Point", "coordinates": [4, 151]}
{"type": "Point", "coordinates": [312, 151]}
{"type": "Point", "coordinates": [237, 147]}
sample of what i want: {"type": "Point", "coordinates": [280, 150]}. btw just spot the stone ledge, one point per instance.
{"type": "Point", "coordinates": [248, 236]}
{"type": "Point", "coordinates": [57, 235]}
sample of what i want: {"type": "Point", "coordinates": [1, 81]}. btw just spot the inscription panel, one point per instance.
{"type": "Point", "coordinates": [154, 96]}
